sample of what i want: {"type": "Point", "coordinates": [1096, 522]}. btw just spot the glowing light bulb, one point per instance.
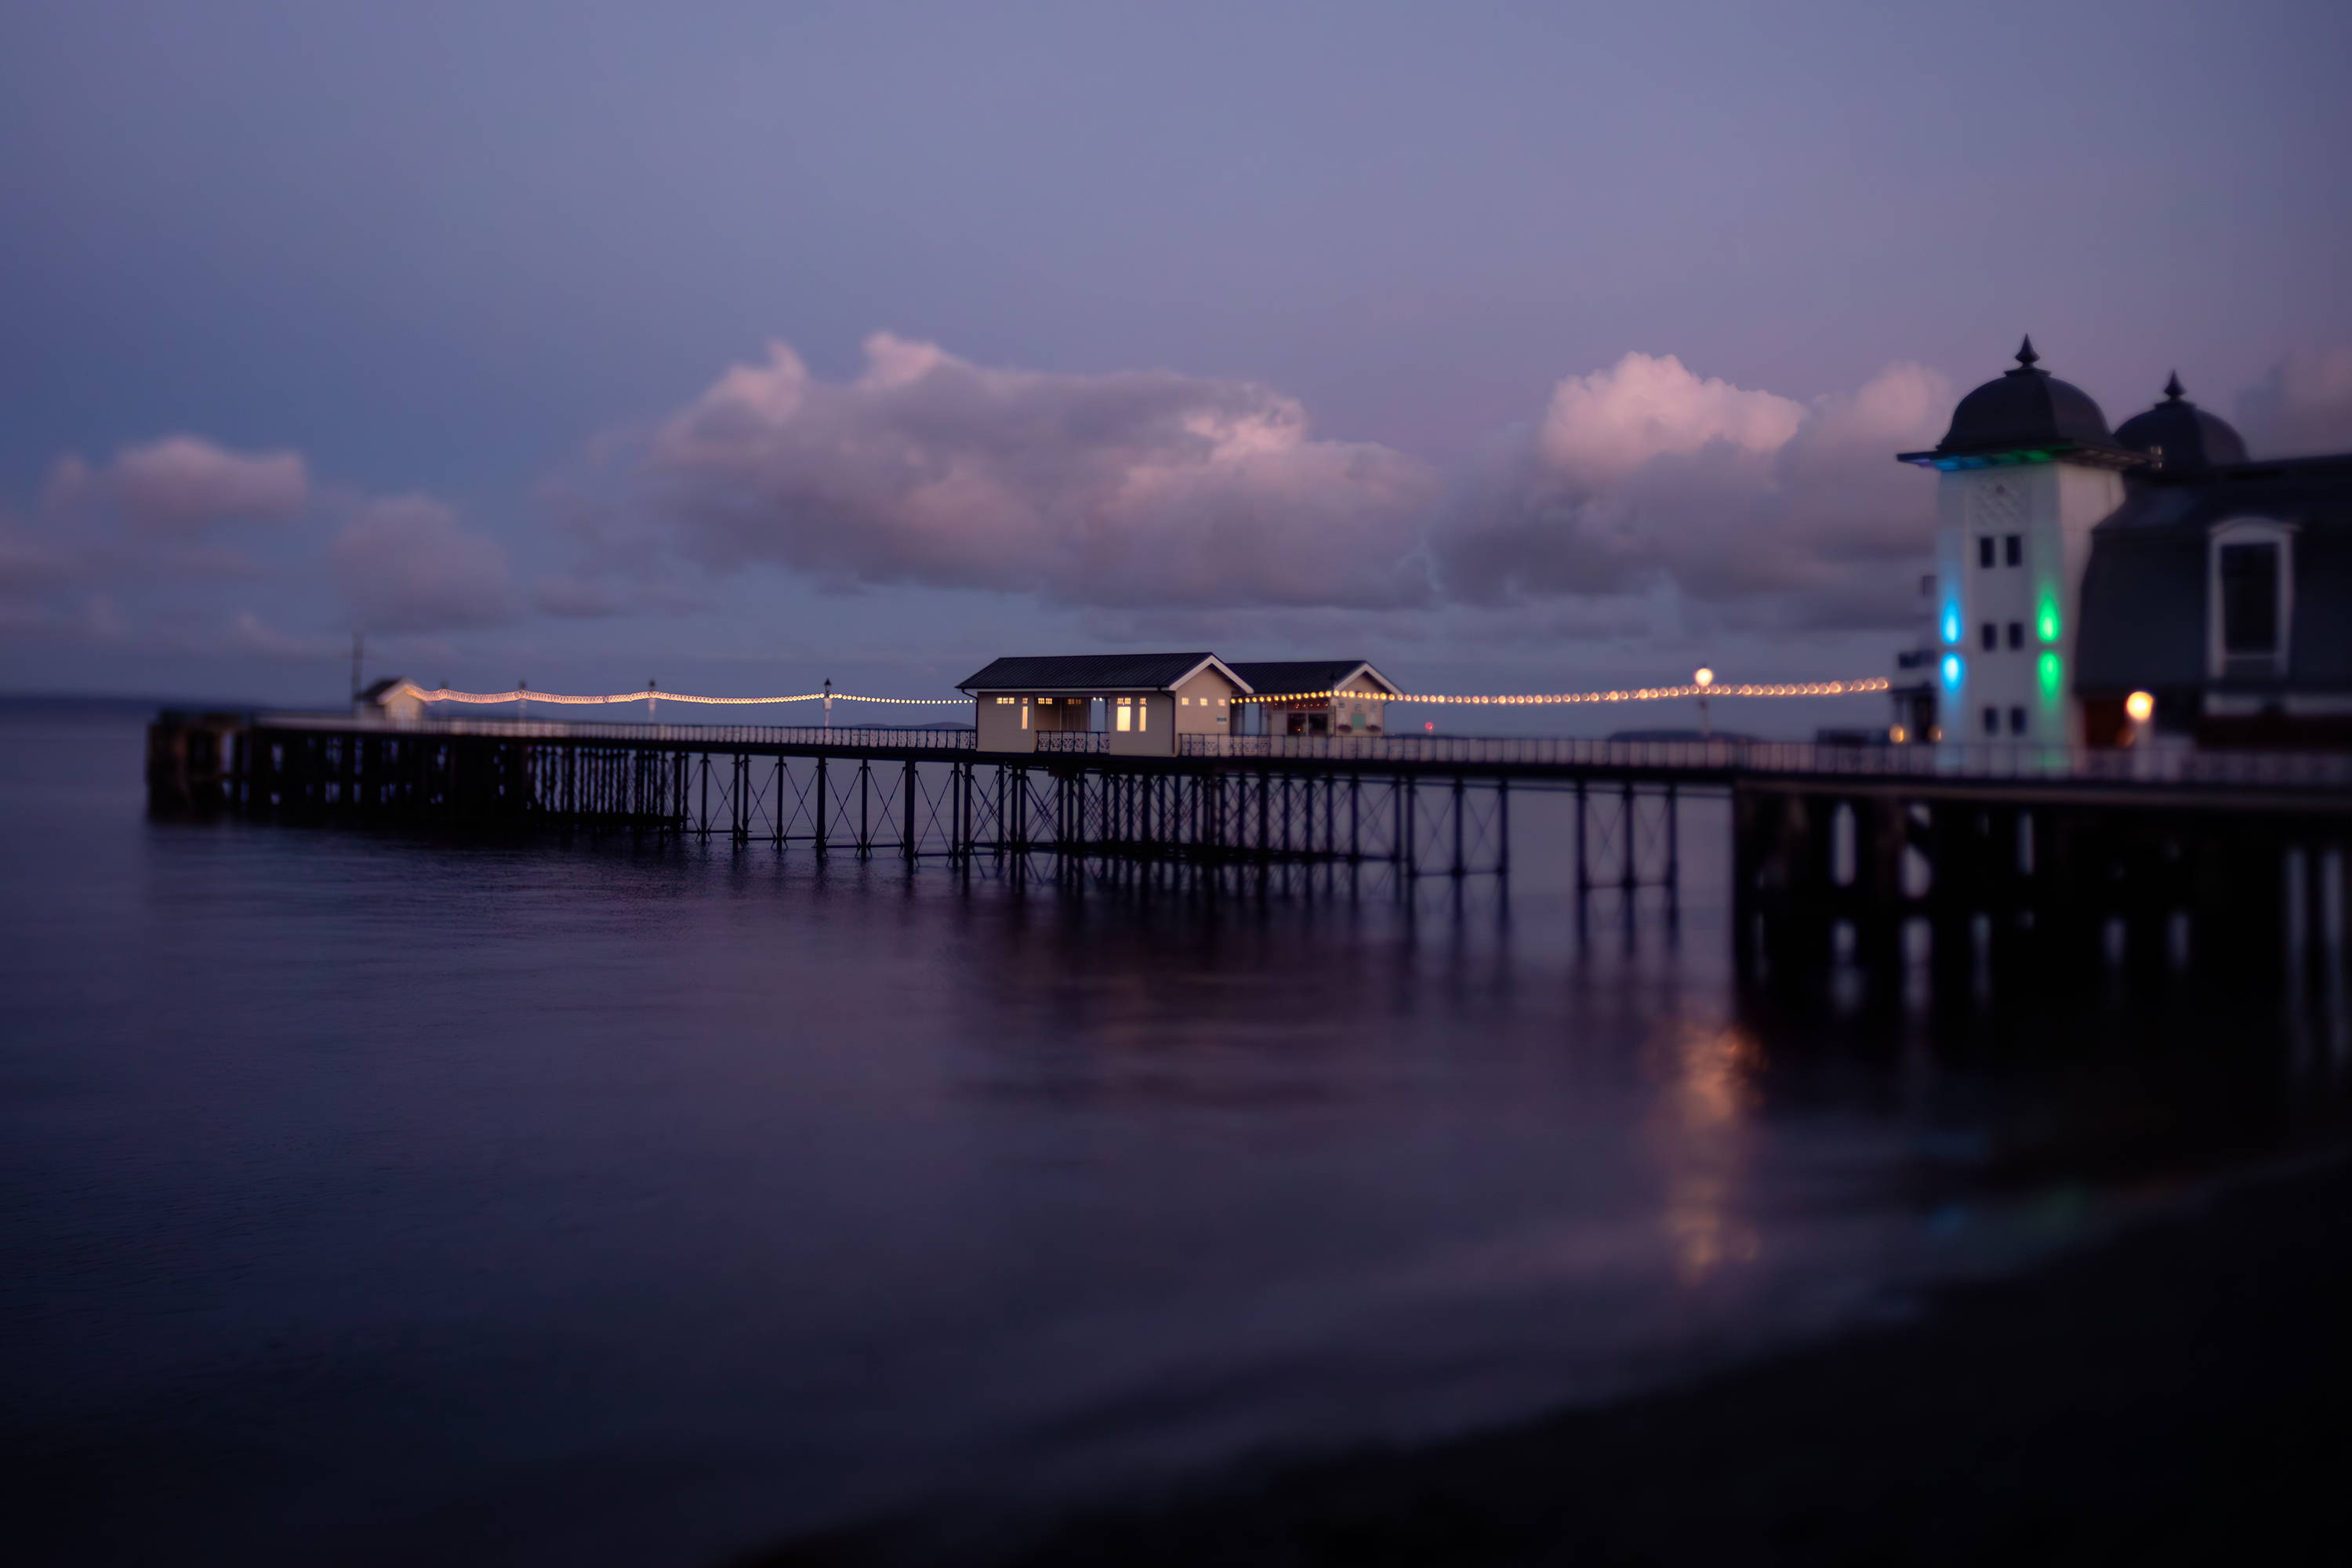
{"type": "Point", "coordinates": [2140, 705]}
{"type": "Point", "coordinates": [1703, 677]}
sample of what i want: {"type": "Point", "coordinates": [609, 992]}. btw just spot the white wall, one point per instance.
{"type": "Point", "coordinates": [2051, 508]}
{"type": "Point", "coordinates": [1152, 731]}
{"type": "Point", "coordinates": [997, 725]}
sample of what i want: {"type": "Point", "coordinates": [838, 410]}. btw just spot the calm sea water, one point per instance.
{"type": "Point", "coordinates": [369, 1198]}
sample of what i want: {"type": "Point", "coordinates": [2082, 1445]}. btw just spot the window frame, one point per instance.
{"type": "Point", "coordinates": [2250, 531]}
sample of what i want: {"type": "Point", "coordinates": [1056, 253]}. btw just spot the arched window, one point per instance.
{"type": "Point", "coordinates": [2249, 598]}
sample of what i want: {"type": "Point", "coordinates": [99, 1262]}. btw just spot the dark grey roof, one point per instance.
{"type": "Point", "coordinates": [2025, 409]}
{"type": "Point", "coordinates": [1089, 672]}
{"type": "Point", "coordinates": [2176, 433]}
{"type": "Point", "coordinates": [2142, 615]}
{"type": "Point", "coordinates": [377, 693]}
{"type": "Point", "coordinates": [1276, 677]}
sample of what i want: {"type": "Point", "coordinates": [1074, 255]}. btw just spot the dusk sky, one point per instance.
{"type": "Point", "coordinates": [1514, 346]}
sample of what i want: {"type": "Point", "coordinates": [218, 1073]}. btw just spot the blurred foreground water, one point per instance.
{"type": "Point", "coordinates": [375, 1198]}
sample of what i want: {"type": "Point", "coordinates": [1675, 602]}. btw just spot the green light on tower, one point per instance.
{"type": "Point", "coordinates": [2046, 616]}
{"type": "Point", "coordinates": [2054, 676]}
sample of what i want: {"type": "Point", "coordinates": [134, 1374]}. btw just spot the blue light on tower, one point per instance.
{"type": "Point", "coordinates": [1952, 624]}
{"type": "Point", "coordinates": [1952, 670]}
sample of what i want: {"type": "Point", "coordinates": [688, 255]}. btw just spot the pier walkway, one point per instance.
{"type": "Point", "coordinates": [2072, 857]}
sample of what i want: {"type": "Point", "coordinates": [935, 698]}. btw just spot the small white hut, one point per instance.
{"type": "Point", "coordinates": [1316, 696]}
{"type": "Point", "coordinates": [392, 700]}
{"type": "Point", "coordinates": [1140, 701]}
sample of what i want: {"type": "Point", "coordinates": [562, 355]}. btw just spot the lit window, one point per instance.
{"type": "Point", "coordinates": [1004, 702]}
{"type": "Point", "coordinates": [1123, 711]}
{"type": "Point", "coordinates": [1024, 715]}
{"type": "Point", "coordinates": [1143, 713]}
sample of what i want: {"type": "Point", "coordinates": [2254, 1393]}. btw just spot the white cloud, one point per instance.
{"type": "Point", "coordinates": [1610, 423]}
{"type": "Point", "coordinates": [1767, 509]}
{"type": "Point", "coordinates": [1133, 488]}
{"type": "Point", "coordinates": [183, 485]}
{"type": "Point", "coordinates": [405, 565]}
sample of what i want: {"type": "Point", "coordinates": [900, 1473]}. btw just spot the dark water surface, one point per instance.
{"type": "Point", "coordinates": [368, 1198]}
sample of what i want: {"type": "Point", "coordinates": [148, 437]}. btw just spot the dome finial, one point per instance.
{"type": "Point", "coordinates": [2025, 355]}
{"type": "Point", "coordinates": [2172, 387]}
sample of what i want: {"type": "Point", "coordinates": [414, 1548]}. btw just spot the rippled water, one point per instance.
{"type": "Point", "coordinates": [375, 1198]}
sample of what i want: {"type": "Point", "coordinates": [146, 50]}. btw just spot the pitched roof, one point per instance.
{"type": "Point", "coordinates": [1278, 677]}
{"type": "Point", "coordinates": [382, 688]}
{"type": "Point", "coordinates": [1093, 672]}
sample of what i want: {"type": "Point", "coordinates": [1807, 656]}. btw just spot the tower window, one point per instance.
{"type": "Point", "coordinates": [1990, 635]}
{"type": "Point", "coordinates": [2013, 548]}
{"type": "Point", "coordinates": [2017, 634]}
{"type": "Point", "coordinates": [1992, 721]}
{"type": "Point", "coordinates": [2017, 720]}
{"type": "Point", "coordinates": [1984, 549]}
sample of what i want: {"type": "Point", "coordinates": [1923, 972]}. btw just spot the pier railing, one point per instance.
{"type": "Point", "coordinates": [697, 736]}
{"type": "Point", "coordinates": [2158, 764]}
{"type": "Point", "coordinates": [1716, 759]}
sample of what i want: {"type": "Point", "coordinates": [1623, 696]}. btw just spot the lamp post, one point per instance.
{"type": "Point", "coordinates": [1703, 678]}
{"type": "Point", "coordinates": [828, 705]}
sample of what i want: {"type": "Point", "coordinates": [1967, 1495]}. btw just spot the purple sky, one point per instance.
{"type": "Point", "coordinates": [1515, 345]}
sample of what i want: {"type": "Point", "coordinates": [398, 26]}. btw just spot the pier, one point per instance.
{"type": "Point", "coordinates": [2028, 860]}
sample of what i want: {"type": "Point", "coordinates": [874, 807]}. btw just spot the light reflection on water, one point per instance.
{"type": "Point", "coordinates": [1702, 1144]}
{"type": "Point", "coordinates": [373, 1198]}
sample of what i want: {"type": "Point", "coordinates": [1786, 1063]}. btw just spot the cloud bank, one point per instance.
{"type": "Point", "coordinates": [165, 521]}
{"type": "Point", "coordinates": [1152, 490]}
{"type": "Point", "coordinates": [1642, 500]}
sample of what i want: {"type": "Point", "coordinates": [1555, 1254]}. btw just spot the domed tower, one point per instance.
{"type": "Point", "coordinates": [2026, 470]}
{"type": "Point", "coordinates": [2177, 436]}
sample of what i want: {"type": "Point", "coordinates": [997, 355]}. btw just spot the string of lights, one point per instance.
{"type": "Point", "coordinates": [525, 694]}
{"type": "Point", "coordinates": [1510, 699]}
{"type": "Point", "coordinates": [1628, 694]}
